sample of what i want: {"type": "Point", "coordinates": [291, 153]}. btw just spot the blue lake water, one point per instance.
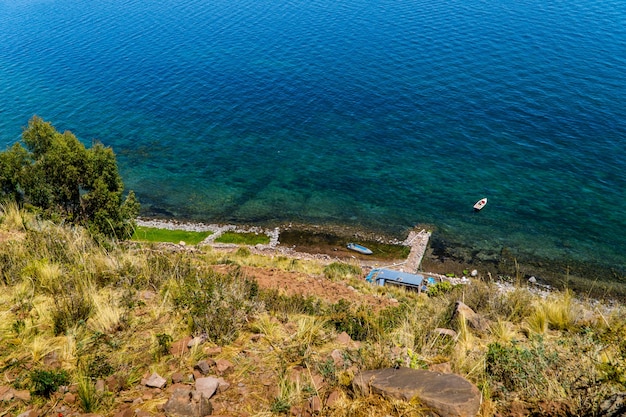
{"type": "Point", "coordinates": [381, 114]}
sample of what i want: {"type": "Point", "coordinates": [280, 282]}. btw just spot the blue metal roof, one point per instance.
{"type": "Point", "coordinates": [381, 276]}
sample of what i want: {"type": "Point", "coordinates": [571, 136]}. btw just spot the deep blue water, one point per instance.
{"type": "Point", "coordinates": [376, 113]}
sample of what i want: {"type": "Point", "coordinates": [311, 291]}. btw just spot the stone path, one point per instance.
{"type": "Point", "coordinates": [418, 241]}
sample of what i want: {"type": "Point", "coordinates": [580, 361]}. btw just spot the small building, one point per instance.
{"type": "Point", "coordinates": [382, 276]}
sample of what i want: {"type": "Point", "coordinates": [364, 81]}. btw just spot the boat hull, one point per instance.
{"type": "Point", "coordinates": [359, 248]}
{"type": "Point", "coordinates": [480, 204]}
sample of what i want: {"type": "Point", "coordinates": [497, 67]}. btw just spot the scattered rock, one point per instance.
{"type": "Point", "coordinates": [223, 385]}
{"type": "Point", "coordinates": [447, 395]}
{"type": "Point", "coordinates": [445, 332]}
{"type": "Point", "coordinates": [207, 386]}
{"type": "Point", "coordinates": [333, 397]}
{"type": "Point", "coordinates": [187, 403]}
{"type": "Point", "coordinates": [154, 381]}
{"type": "Point", "coordinates": [315, 405]}
{"type": "Point", "coordinates": [177, 378]}
{"type": "Point", "coordinates": [224, 366]}
{"type": "Point", "coordinates": [147, 295]}
{"type": "Point", "coordinates": [114, 383]}
{"type": "Point", "coordinates": [204, 366]}
{"type": "Point", "coordinates": [52, 360]}
{"type": "Point", "coordinates": [29, 413]}
{"type": "Point", "coordinates": [337, 357]}
{"type": "Point", "coordinates": [613, 406]}
{"type": "Point", "coordinates": [532, 280]}
{"type": "Point", "coordinates": [473, 319]}
{"type": "Point", "coordinates": [100, 385]}
{"type": "Point", "coordinates": [474, 273]}
{"type": "Point", "coordinates": [180, 347]}
{"type": "Point", "coordinates": [198, 340]}
{"type": "Point", "coordinates": [69, 398]}
{"type": "Point", "coordinates": [443, 368]}
{"type": "Point", "coordinates": [127, 412]}
{"type": "Point", "coordinates": [212, 350]}
{"type": "Point", "coordinates": [22, 395]}
{"type": "Point", "coordinates": [344, 339]}
{"type": "Point", "coordinates": [6, 393]}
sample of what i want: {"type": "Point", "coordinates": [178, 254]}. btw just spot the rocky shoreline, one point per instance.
{"type": "Point", "coordinates": [441, 257]}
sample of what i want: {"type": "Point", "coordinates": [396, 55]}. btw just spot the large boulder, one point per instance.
{"type": "Point", "coordinates": [446, 395]}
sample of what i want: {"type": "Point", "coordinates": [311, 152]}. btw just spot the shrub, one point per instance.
{"type": "Point", "coordinates": [283, 304]}
{"type": "Point", "coordinates": [522, 369]}
{"type": "Point", "coordinates": [163, 344]}
{"type": "Point", "coordinates": [44, 383]}
{"type": "Point", "coordinates": [439, 289]}
{"type": "Point", "coordinates": [73, 306]}
{"type": "Point", "coordinates": [217, 305]}
{"type": "Point", "coordinates": [99, 367]}
{"type": "Point", "coordinates": [361, 324]}
{"type": "Point", "coordinates": [340, 270]}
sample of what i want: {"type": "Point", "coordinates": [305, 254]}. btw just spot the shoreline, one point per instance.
{"type": "Point", "coordinates": [441, 257]}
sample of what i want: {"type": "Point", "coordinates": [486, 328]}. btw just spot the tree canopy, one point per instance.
{"type": "Point", "coordinates": [55, 173]}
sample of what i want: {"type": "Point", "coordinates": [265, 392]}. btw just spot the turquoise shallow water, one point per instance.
{"type": "Point", "coordinates": [380, 114]}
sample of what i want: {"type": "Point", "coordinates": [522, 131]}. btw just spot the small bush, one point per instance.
{"type": "Point", "coordinates": [71, 309]}
{"type": "Point", "coordinates": [99, 367]}
{"type": "Point", "coordinates": [522, 369]}
{"type": "Point", "coordinates": [340, 270]}
{"type": "Point", "coordinates": [278, 303]}
{"type": "Point", "coordinates": [243, 252]}
{"type": "Point", "coordinates": [361, 324]}
{"type": "Point", "coordinates": [439, 289]}
{"type": "Point", "coordinates": [217, 305]}
{"type": "Point", "coordinates": [44, 383]}
{"type": "Point", "coordinates": [164, 343]}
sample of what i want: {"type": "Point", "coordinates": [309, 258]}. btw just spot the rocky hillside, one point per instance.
{"type": "Point", "coordinates": [168, 330]}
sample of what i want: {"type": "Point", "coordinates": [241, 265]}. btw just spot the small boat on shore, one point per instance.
{"type": "Point", "coordinates": [358, 248]}
{"type": "Point", "coordinates": [480, 204]}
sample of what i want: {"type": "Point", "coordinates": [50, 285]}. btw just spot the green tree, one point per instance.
{"type": "Point", "coordinates": [12, 163]}
{"type": "Point", "coordinates": [59, 176]}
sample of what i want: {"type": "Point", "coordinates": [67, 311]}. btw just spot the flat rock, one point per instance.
{"type": "Point", "coordinates": [207, 386]}
{"type": "Point", "coordinates": [446, 395]}
{"type": "Point", "coordinates": [154, 381]}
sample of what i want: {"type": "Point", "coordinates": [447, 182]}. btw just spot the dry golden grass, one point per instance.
{"type": "Point", "coordinates": [577, 355]}
{"type": "Point", "coordinates": [107, 314]}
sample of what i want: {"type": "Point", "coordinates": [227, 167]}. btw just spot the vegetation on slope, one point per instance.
{"type": "Point", "coordinates": [75, 313]}
{"type": "Point", "coordinates": [55, 174]}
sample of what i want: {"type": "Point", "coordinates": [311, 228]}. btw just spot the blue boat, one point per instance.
{"type": "Point", "coordinates": [358, 248]}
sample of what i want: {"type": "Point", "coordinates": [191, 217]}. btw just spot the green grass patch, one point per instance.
{"type": "Point", "coordinates": [153, 234]}
{"type": "Point", "coordinates": [239, 238]}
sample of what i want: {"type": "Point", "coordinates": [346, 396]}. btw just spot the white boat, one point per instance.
{"type": "Point", "coordinates": [480, 204]}
{"type": "Point", "coordinates": [358, 248]}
